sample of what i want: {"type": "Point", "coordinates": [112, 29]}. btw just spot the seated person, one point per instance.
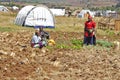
{"type": "Point", "coordinates": [36, 40]}
{"type": "Point", "coordinates": [44, 35]}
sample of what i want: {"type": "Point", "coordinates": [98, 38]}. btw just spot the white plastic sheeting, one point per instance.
{"type": "Point", "coordinates": [35, 16]}
{"type": "Point", "coordinates": [3, 8]}
{"type": "Point", "coordinates": [15, 8]}
{"type": "Point", "coordinates": [58, 12]}
{"type": "Point", "coordinates": [83, 12]}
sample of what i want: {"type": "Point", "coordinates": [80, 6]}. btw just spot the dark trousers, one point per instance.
{"type": "Point", "coordinates": [89, 40]}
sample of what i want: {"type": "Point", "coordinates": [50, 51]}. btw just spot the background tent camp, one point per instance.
{"type": "Point", "coordinates": [83, 13]}
{"type": "Point", "coordinates": [15, 8]}
{"type": "Point", "coordinates": [35, 16]}
{"type": "Point", "coordinates": [3, 8]}
{"type": "Point", "coordinates": [58, 12]}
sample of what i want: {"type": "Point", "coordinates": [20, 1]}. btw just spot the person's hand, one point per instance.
{"type": "Point", "coordinates": [93, 32]}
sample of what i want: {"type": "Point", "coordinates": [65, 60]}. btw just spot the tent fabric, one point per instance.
{"type": "Point", "coordinates": [35, 16]}
{"type": "Point", "coordinates": [22, 15]}
{"type": "Point", "coordinates": [84, 12]}
{"type": "Point", "coordinates": [3, 8]}
{"type": "Point", "coordinates": [58, 12]}
{"type": "Point", "coordinates": [15, 8]}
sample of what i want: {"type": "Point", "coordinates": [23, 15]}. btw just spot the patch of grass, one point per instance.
{"type": "Point", "coordinates": [72, 44]}
{"type": "Point", "coordinates": [3, 29]}
{"type": "Point", "coordinates": [104, 43]}
{"type": "Point", "coordinates": [109, 32]}
{"type": "Point", "coordinates": [77, 42]}
{"type": "Point", "coordinates": [69, 24]}
{"type": "Point", "coordinates": [62, 46]}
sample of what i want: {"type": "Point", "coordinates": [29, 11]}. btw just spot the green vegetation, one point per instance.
{"type": "Point", "coordinates": [72, 44]}
{"type": "Point", "coordinates": [77, 42]}
{"type": "Point", "coordinates": [104, 43]}
{"type": "Point", "coordinates": [62, 46]}
{"type": "Point", "coordinates": [110, 33]}
{"type": "Point", "coordinates": [3, 29]}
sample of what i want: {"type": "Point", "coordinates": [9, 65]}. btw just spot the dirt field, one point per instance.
{"type": "Point", "coordinates": [18, 61]}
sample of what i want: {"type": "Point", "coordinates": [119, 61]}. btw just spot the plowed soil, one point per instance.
{"type": "Point", "coordinates": [18, 61]}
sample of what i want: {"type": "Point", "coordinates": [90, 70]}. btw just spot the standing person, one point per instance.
{"type": "Point", "coordinates": [89, 32]}
{"type": "Point", "coordinates": [43, 33]}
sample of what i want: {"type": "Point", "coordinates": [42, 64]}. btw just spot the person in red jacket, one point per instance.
{"type": "Point", "coordinates": [89, 32]}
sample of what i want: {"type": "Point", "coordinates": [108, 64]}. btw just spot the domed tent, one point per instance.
{"type": "Point", "coordinates": [35, 16]}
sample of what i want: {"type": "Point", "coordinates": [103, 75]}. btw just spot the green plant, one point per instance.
{"type": "Point", "coordinates": [62, 46]}
{"type": "Point", "coordinates": [77, 44]}
{"type": "Point", "coordinates": [104, 43]}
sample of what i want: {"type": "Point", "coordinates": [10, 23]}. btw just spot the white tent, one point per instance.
{"type": "Point", "coordinates": [58, 12]}
{"type": "Point", "coordinates": [35, 16]}
{"type": "Point", "coordinates": [109, 13]}
{"type": "Point", "coordinates": [3, 9]}
{"type": "Point", "coordinates": [15, 8]}
{"type": "Point", "coordinates": [84, 12]}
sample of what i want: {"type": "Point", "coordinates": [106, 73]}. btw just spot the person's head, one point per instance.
{"type": "Point", "coordinates": [88, 13]}
{"type": "Point", "coordinates": [37, 31]}
{"type": "Point", "coordinates": [89, 18]}
{"type": "Point", "coordinates": [41, 28]}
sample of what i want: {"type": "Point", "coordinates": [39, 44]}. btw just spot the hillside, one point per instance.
{"type": "Point", "coordinates": [83, 3]}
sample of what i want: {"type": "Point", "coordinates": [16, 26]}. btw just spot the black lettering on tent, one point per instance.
{"type": "Point", "coordinates": [27, 15]}
{"type": "Point", "coordinates": [43, 19]}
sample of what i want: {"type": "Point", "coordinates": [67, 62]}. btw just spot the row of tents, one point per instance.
{"type": "Point", "coordinates": [63, 12]}
{"type": "Point", "coordinates": [5, 9]}
{"type": "Point", "coordinates": [41, 15]}
{"type": "Point", "coordinates": [36, 15]}
{"type": "Point", "coordinates": [55, 11]}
